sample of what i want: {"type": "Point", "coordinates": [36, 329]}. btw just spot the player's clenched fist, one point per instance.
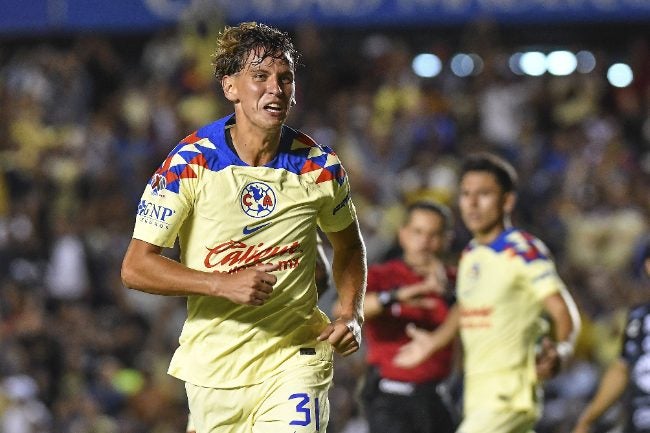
{"type": "Point", "coordinates": [344, 335]}
{"type": "Point", "coordinates": [252, 286]}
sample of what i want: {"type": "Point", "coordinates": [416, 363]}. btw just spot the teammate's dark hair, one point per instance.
{"type": "Point", "coordinates": [502, 170]}
{"type": "Point", "coordinates": [435, 207]}
{"type": "Point", "coordinates": [234, 44]}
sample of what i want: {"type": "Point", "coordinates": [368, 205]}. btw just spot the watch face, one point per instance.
{"type": "Point", "coordinates": [384, 298]}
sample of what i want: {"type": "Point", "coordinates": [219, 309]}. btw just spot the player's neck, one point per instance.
{"type": "Point", "coordinates": [253, 146]}
{"type": "Point", "coordinates": [488, 236]}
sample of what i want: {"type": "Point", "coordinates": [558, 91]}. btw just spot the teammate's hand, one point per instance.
{"type": "Point", "coordinates": [547, 361]}
{"type": "Point", "coordinates": [251, 286]}
{"type": "Point", "coordinates": [343, 334]}
{"type": "Point", "coordinates": [415, 351]}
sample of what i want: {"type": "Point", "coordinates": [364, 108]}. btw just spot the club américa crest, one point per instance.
{"type": "Point", "coordinates": [257, 200]}
{"type": "Point", "coordinates": [158, 184]}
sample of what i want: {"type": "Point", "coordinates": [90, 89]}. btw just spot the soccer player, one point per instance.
{"type": "Point", "coordinates": [506, 282]}
{"type": "Point", "coordinates": [633, 362]}
{"type": "Point", "coordinates": [412, 289]}
{"type": "Point", "coordinates": [245, 195]}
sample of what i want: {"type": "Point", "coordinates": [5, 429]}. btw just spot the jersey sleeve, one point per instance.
{"type": "Point", "coordinates": [338, 211]}
{"type": "Point", "coordinates": [540, 271]}
{"type": "Point", "coordinates": [166, 201]}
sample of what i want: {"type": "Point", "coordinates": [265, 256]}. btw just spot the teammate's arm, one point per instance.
{"type": "Point", "coordinates": [145, 269]}
{"type": "Point", "coordinates": [611, 387]}
{"type": "Point", "coordinates": [423, 343]}
{"type": "Point", "coordinates": [350, 271]}
{"type": "Point", "coordinates": [566, 324]}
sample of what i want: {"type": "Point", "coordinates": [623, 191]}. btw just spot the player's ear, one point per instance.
{"type": "Point", "coordinates": [229, 88]}
{"type": "Point", "coordinates": [509, 202]}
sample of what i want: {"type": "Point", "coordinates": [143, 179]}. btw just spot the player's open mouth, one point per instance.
{"type": "Point", "coordinates": [274, 108]}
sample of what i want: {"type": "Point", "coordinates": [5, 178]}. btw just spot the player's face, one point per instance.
{"type": "Point", "coordinates": [483, 205]}
{"type": "Point", "coordinates": [264, 91]}
{"type": "Point", "coordinates": [422, 238]}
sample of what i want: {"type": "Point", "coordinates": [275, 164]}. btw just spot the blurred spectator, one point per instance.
{"type": "Point", "coordinates": [412, 289]}
{"type": "Point", "coordinates": [23, 412]}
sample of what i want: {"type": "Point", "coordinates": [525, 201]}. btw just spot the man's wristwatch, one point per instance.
{"type": "Point", "coordinates": [564, 350]}
{"type": "Point", "coordinates": [388, 298]}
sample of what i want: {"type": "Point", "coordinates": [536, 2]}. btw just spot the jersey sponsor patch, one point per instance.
{"type": "Point", "coordinates": [155, 214]}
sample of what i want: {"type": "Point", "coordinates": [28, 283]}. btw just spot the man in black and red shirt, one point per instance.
{"type": "Point", "coordinates": [410, 290]}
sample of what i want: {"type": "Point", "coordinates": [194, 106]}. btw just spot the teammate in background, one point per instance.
{"type": "Point", "coordinates": [633, 361]}
{"type": "Point", "coordinates": [506, 281]}
{"type": "Point", "coordinates": [323, 278]}
{"type": "Point", "coordinates": [245, 195]}
{"type": "Point", "coordinates": [409, 290]}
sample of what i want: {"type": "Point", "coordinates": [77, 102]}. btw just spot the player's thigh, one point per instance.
{"type": "Point", "coordinates": [296, 401]}
{"type": "Point", "coordinates": [497, 421]}
{"type": "Point", "coordinates": [219, 410]}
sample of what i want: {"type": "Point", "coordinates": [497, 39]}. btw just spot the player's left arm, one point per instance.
{"type": "Point", "coordinates": [563, 312]}
{"type": "Point", "coordinates": [349, 269]}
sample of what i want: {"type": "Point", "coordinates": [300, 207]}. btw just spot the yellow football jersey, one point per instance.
{"type": "Point", "coordinates": [228, 216]}
{"type": "Point", "coordinates": [500, 291]}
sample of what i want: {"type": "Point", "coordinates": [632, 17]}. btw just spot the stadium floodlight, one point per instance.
{"type": "Point", "coordinates": [620, 75]}
{"type": "Point", "coordinates": [478, 63]}
{"type": "Point", "coordinates": [533, 63]}
{"type": "Point", "coordinates": [514, 62]}
{"type": "Point", "coordinates": [586, 61]}
{"type": "Point", "coordinates": [462, 65]}
{"type": "Point", "coordinates": [561, 63]}
{"type": "Point", "coordinates": [426, 65]}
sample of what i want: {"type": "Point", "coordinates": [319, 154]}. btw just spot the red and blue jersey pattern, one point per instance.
{"type": "Point", "coordinates": [214, 154]}
{"type": "Point", "coordinates": [525, 245]}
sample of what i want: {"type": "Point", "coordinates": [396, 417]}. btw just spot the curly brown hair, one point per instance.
{"type": "Point", "coordinates": [235, 43]}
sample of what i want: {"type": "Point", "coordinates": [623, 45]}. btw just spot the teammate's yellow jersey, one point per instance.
{"type": "Point", "coordinates": [500, 289]}
{"type": "Point", "coordinates": [228, 216]}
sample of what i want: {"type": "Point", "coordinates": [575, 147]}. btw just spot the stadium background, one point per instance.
{"type": "Point", "coordinates": [93, 94]}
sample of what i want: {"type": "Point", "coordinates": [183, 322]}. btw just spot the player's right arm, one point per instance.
{"type": "Point", "coordinates": [424, 343]}
{"type": "Point", "coordinates": [556, 354]}
{"type": "Point", "coordinates": [145, 269]}
{"type": "Point", "coordinates": [350, 272]}
{"type": "Point", "coordinates": [610, 389]}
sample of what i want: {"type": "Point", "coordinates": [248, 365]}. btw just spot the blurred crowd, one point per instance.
{"type": "Point", "coordinates": [86, 120]}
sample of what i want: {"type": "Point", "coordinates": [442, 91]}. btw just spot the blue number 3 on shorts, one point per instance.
{"type": "Point", "coordinates": [304, 409]}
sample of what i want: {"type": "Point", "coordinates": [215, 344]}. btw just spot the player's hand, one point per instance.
{"type": "Point", "coordinates": [547, 361]}
{"type": "Point", "coordinates": [251, 286]}
{"type": "Point", "coordinates": [415, 351]}
{"type": "Point", "coordinates": [343, 334]}
{"type": "Point", "coordinates": [416, 294]}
